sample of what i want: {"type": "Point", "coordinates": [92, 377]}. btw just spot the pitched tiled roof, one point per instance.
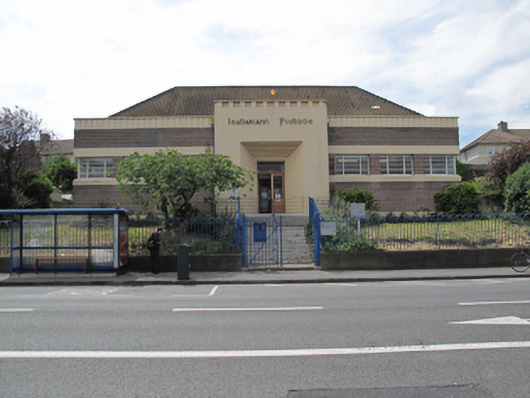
{"type": "Point", "coordinates": [198, 101]}
{"type": "Point", "coordinates": [57, 147]}
{"type": "Point", "coordinates": [498, 137]}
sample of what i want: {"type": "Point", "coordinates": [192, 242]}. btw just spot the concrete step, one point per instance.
{"type": "Point", "coordinates": [287, 219]}
{"type": "Point", "coordinates": [295, 248]}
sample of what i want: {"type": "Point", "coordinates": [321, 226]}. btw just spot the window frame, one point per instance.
{"type": "Point", "coordinates": [386, 170]}
{"type": "Point", "coordinates": [363, 160]}
{"type": "Point", "coordinates": [449, 160]}
{"type": "Point", "coordinates": [84, 167]}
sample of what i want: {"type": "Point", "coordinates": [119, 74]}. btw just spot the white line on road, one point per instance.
{"type": "Point", "coordinates": [341, 284]}
{"type": "Point", "coordinates": [212, 292]}
{"type": "Point", "coordinates": [17, 309]}
{"type": "Point", "coordinates": [505, 320]}
{"type": "Point", "coordinates": [248, 309]}
{"type": "Point", "coordinates": [259, 353]}
{"type": "Point", "coordinates": [495, 302]}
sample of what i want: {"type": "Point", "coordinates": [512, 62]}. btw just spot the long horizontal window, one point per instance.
{"type": "Point", "coordinates": [396, 164]}
{"type": "Point", "coordinates": [352, 165]}
{"type": "Point", "coordinates": [94, 168]}
{"type": "Point", "coordinates": [440, 164]}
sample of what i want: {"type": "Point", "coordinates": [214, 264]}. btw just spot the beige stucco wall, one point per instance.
{"type": "Point", "coordinates": [480, 154]}
{"type": "Point", "coordinates": [291, 131]}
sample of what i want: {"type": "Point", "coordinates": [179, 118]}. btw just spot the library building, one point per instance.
{"type": "Point", "coordinates": [301, 141]}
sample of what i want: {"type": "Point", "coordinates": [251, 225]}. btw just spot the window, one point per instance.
{"type": "Point", "coordinates": [396, 164]}
{"type": "Point", "coordinates": [352, 165]}
{"type": "Point", "coordinates": [94, 168]}
{"type": "Point", "coordinates": [440, 164]}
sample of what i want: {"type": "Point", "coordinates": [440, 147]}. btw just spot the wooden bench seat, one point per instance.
{"type": "Point", "coordinates": [84, 259]}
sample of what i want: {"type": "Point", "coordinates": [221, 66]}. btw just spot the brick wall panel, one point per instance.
{"type": "Point", "coordinates": [398, 197]}
{"type": "Point", "coordinates": [174, 137]}
{"type": "Point", "coordinates": [392, 136]}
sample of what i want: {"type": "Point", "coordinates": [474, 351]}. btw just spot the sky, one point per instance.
{"type": "Point", "coordinates": [66, 59]}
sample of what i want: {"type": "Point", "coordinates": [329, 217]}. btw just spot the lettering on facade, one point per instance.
{"type": "Point", "coordinates": [295, 121]}
{"type": "Point", "coordinates": [241, 122]}
{"type": "Point", "coordinates": [260, 122]}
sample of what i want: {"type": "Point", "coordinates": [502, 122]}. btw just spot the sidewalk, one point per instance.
{"type": "Point", "coordinates": [292, 274]}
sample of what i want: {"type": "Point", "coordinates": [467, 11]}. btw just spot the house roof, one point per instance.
{"type": "Point", "coordinates": [199, 101]}
{"type": "Point", "coordinates": [57, 147]}
{"type": "Point", "coordinates": [499, 137]}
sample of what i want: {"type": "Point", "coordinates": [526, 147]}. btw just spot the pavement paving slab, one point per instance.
{"type": "Point", "coordinates": [260, 276]}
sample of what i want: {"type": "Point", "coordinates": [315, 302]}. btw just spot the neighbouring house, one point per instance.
{"type": "Point", "coordinates": [496, 140]}
{"type": "Point", "coordinates": [49, 147]}
{"type": "Point", "coordinates": [302, 141]}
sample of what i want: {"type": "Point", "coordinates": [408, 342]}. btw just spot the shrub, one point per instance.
{"type": "Point", "coordinates": [491, 190]}
{"type": "Point", "coordinates": [464, 170]}
{"type": "Point", "coordinates": [38, 190]}
{"type": "Point", "coordinates": [461, 198]}
{"type": "Point", "coordinates": [61, 171]}
{"type": "Point", "coordinates": [356, 195]}
{"type": "Point", "coordinates": [517, 190]}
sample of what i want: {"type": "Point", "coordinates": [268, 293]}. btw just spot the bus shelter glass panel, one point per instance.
{"type": "Point", "coordinates": [101, 239]}
{"type": "Point", "coordinates": [72, 235]}
{"type": "Point", "coordinates": [38, 233]}
{"type": "Point", "coordinates": [15, 248]}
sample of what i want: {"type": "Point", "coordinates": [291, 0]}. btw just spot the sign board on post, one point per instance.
{"type": "Point", "coordinates": [328, 228]}
{"type": "Point", "coordinates": [358, 210]}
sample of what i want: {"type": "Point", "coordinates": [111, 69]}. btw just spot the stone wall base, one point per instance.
{"type": "Point", "coordinates": [432, 259]}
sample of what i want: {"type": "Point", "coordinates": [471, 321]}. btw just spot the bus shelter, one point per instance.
{"type": "Point", "coordinates": [67, 239]}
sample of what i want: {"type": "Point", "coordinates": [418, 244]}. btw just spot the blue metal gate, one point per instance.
{"type": "Point", "coordinates": [315, 218]}
{"type": "Point", "coordinates": [262, 241]}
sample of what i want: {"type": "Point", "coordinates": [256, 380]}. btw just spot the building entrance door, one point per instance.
{"type": "Point", "coordinates": [271, 187]}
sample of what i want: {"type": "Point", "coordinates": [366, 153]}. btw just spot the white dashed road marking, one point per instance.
{"type": "Point", "coordinates": [247, 309]}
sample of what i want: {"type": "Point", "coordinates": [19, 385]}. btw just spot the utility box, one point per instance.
{"type": "Point", "coordinates": [260, 232]}
{"type": "Point", "coordinates": [183, 262]}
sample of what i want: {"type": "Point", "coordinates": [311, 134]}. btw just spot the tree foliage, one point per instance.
{"type": "Point", "coordinates": [37, 191]}
{"type": "Point", "coordinates": [491, 190]}
{"type": "Point", "coordinates": [18, 153]}
{"type": "Point", "coordinates": [502, 164]}
{"type": "Point", "coordinates": [61, 171]}
{"type": "Point", "coordinates": [168, 180]}
{"type": "Point", "coordinates": [357, 195]}
{"type": "Point", "coordinates": [517, 190]}
{"type": "Point", "coordinates": [460, 198]}
{"type": "Point", "coordinates": [464, 170]}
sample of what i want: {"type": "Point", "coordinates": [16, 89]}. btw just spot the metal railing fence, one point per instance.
{"type": "Point", "coordinates": [203, 235]}
{"type": "Point", "coordinates": [446, 232]}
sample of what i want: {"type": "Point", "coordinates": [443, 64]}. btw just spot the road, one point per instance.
{"type": "Point", "coordinates": [391, 339]}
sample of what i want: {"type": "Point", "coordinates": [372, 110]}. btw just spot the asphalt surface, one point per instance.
{"type": "Point", "coordinates": [288, 274]}
{"type": "Point", "coordinates": [402, 339]}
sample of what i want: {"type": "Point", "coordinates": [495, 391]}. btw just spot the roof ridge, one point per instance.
{"type": "Point", "coordinates": [198, 100]}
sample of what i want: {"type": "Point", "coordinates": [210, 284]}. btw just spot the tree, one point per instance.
{"type": "Point", "coordinates": [517, 190]}
{"type": "Point", "coordinates": [504, 163]}
{"type": "Point", "coordinates": [460, 198]}
{"type": "Point", "coordinates": [18, 130]}
{"type": "Point", "coordinates": [61, 171]}
{"type": "Point", "coordinates": [168, 180]}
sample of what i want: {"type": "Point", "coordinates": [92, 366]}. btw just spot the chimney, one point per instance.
{"type": "Point", "coordinates": [503, 126]}
{"type": "Point", "coordinates": [44, 139]}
